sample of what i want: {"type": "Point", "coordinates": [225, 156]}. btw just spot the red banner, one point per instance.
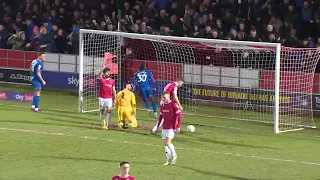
{"type": "Point", "coordinates": [290, 81]}
{"type": "Point", "coordinates": [17, 59]}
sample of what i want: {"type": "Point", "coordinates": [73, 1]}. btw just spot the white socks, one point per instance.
{"type": "Point", "coordinates": [108, 119]}
{"type": "Point", "coordinates": [172, 149]}
{"type": "Point", "coordinates": [168, 153]}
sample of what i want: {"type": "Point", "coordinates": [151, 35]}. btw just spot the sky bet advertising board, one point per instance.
{"type": "Point", "coordinates": [15, 96]}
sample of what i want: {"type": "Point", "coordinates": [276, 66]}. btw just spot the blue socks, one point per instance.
{"type": "Point", "coordinates": [154, 106]}
{"type": "Point", "coordinates": [36, 101]}
{"type": "Point", "coordinates": [146, 104]}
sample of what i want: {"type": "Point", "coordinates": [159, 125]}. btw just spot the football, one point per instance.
{"type": "Point", "coordinates": [191, 128]}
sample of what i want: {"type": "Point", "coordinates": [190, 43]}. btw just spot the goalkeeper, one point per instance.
{"type": "Point", "coordinates": [126, 106]}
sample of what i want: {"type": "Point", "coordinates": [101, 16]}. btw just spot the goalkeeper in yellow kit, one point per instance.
{"type": "Point", "coordinates": [126, 106]}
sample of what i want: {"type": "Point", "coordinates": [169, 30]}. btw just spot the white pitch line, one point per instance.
{"type": "Point", "coordinates": [160, 146]}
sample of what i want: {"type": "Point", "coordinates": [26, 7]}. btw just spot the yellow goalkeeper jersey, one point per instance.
{"type": "Point", "coordinates": [127, 99]}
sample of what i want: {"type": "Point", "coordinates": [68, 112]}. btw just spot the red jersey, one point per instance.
{"type": "Point", "coordinates": [169, 112]}
{"type": "Point", "coordinates": [106, 86]}
{"type": "Point", "coordinates": [170, 88]}
{"type": "Point", "coordinates": [120, 178]}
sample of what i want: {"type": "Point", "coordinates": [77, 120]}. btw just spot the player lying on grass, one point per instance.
{"type": "Point", "coordinates": [37, 80]}
{"type": "Point", "coordinates": [126, 106]}
{"type": "Point", "coordinates": [172, 90]}
{"type": "Point", "coordinates": [124, 172]}
{"type": "Point", "coordinates": [106, 90]}
{"type": "Point", "coordinates": [170, 116]}
{"type": "Point", "coordinates": [142, 80]}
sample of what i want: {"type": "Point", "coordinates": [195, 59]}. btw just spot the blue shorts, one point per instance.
{"type": "Point", "coordinates": [36, 85]}
{"type": "Point", "coordinates": [146, 92]}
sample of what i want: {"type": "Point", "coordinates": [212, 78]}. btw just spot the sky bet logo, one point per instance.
{"type": "Point", "coordinates": [73, 81]}
{"type": "Point", "coordinates": [28, 97]}
{"type": "Point", "coordinates": [19, 97]}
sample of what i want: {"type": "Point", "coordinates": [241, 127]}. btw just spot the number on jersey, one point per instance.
{"type": "Point", "coordinates": [142, 77]}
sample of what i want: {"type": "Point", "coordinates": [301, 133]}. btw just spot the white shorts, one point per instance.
{"type": "Point", "coordinates": [167, 133]}
{"type": "Point", "coordinates": [104, 103]}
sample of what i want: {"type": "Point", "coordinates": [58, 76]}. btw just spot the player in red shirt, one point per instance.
{"type": "Point", "coordinates": [106, 91]}
{"type": "Point", "coordinates": [124, 172]}
{"type": "Point", "coordinates": [172, 90]}
{"type": "Point", "coordinates": [170, 117]}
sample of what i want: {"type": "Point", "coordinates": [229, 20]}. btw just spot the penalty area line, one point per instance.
{"type": "Point", "coordinates": [160, 146]}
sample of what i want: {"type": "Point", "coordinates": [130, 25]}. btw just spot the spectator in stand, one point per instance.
{"type": "Point", "coordinates": [73, 40]}
{"type": "Point", "coordinates": [308, 43]}
{"type": "Point", "coordinates": [47, 24]}
{"type": "Point", "coordinates": [233, 32]}
{"type": "Point", "coordinates": [60, 41]}
{"type": "Point", "coordinates": [292, 39]}
{"type": "Point", "coordinates": [17, 41]}
{"type": "Point", "coordinates": [30, 27]}
{"type": "Point", "coordinates": [208, 32]}
{"type": "Point", "coordinates": [4, 35]}
{"type": "Point", "coordinates": [253, 35]}
{"type": "Point", "coordinates": [176, 26]}
{"type": "Point", "coordinates": [240, 36]}
{"type": "Point", "coordinates": [215, 34]}
{"type": "Point", "coordinates": [44, 40]}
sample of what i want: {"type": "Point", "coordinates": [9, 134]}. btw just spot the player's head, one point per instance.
{"type": "Point", "coordinates": [179, 82]}
{"type": "Point", "coordinates": [124, 168]}
{"type": "Point", "coordinates": [166, 96]}
{"type": "Point", "coordinates": [142, 67]}
{"type": "Point", "coordinates": [41, 56]}
{"type": "Point", "coordinates": [128, 85]}
{"type": "Point", "coordinates": [106, 72]}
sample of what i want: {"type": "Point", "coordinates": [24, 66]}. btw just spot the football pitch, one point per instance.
{"type": "Point", "coordinates": [60, 143]}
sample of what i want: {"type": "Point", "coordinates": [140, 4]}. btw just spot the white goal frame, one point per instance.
{"type": "Point", "coordinates": [276, 46]}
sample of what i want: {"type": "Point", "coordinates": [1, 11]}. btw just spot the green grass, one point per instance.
{"type": "Point", "coordinates": [63, 144]}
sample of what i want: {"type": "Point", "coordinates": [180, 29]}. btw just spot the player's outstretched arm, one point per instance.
{"type": "Point", "coordinates": [177, 117]}
{"type": "Point", "coordinates": [176, 99]}
{"type": "Point", "coordinates": [101, 72]}
{"type": "Point", "coordinates": [159, 120]}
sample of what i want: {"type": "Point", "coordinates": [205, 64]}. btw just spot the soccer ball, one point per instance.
{"type": "Point", "coordinates": [190, 128]}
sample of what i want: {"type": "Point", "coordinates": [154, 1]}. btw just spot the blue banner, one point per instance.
{"type": "Point", "coordinates": [62, 80]}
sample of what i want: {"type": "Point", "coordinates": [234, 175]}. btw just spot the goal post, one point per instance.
{"type": "Point", "coordinates": [252, 81]}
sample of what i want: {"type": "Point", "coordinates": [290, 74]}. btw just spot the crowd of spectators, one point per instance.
{"type": "Point", "coordinates": [53, 26]}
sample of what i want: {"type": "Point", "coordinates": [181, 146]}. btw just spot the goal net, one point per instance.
{"type": "Point", "coordinates": [251, 81]}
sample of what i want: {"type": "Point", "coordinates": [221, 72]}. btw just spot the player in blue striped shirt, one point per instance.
{"type": "Point", "coordinates": [37, 80]}
{"type": "Point", "coordinates": [142, 79]}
